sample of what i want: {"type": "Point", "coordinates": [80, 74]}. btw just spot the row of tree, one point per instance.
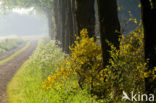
{"type": "Point", "coordinates": [71, 16]}
{"type": "Point", "coordinates": [68, 17]}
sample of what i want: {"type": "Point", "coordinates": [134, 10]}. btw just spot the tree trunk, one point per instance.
{"type": "Point", "coordinates": [71, 23]}
{"type": "Point", "coordinates": [73, 8]}
{"type": "Point", "coordinates": [59, 22]}
{"type": "Point", "coordinates": [67, 30]}
{"type": "Point", "coordinates": [56, 19]}
{"type": "Point", "coordinates": [109, 27]}
{"type": "Point", "coordinates": [85, 16]}
{"type": "Point", "coordinates": [63, 18]}
{"type": "Point", "coordinates": [50, 25]}
{"type": "Point", "coordinates": [69, 26]}
{"type": "Point", "coordinates": [149, 21]}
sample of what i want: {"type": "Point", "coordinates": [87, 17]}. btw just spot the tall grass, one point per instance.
{"type": "Point", "coordinates": [26, 86]}
{"type": "Point", "coordinates": [8, 44]}
{"type": "Point", "coordinates": [126, 73]}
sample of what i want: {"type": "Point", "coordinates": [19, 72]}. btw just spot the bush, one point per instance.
{"type": "Point", "coordinates": [8, 44]}
{"type": "Point", "coordinates": [2, 50]}
{"type": "Point", "coordinates": [84, 63]}
{"type": "Point", "coordinates": [126, 72]}
{"type": "Point", "coordinates": [128, 67]}
{"type": "Point", "coordinates": [26, 87]}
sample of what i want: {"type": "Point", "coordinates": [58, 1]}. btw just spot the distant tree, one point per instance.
{"type": "Point", "coordinates": [148, 10]}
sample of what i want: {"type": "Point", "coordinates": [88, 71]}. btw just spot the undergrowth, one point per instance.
{"type": "Point", "coordinates": [126, 72]}
{"type": "Point", "coordinates": [26, 86]}
{"type": "Point", "coordinates": [51, 77]}
{"type": "Point", "coordinates": [8, 44]}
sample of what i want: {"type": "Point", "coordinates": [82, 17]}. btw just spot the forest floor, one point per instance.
{"type": "Point", "coordinates": [8, 69]}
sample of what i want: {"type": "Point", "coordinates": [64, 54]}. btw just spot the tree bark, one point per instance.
{"type": "Point", "coordinates": [63, 18]}
{"type": "Point", "coordinates": [56, 15]}
{"type": "Point", "coordinates": [85, 16]}
{"type": "Point", "coordinates": [109, 27]}
{"type": "Point", "coordinates": [50, 24]}
{"type": "Point", "coordinates": [67, 30]}
{"type": "Point", "coordinates": [149, 21]}
{"type": "Point", "coordinates": [74, 20]}
{"type": "Point", "coordinates": [59, 22]}
{"type": "Point", "coordinates": [71, 23]}
{"type": "Point", "coordinates": [69, 26]}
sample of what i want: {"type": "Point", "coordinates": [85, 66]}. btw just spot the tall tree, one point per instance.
{"type": "Point", "coordinates": [48, 13]}
{"type": "Point", "coordinates": [69, 25]}
{"type": "Point", "coordinates": [58, 19]}
{"type": "Point", "coordinates": [85, 16]}
{"type": "Point", "coordinates": [149, 20]}
{"type": "Point", "coordinates": [64, 20]}
{"type": "Point", "coordinates": [73, 8]}
{"type": "Point", "coordinates": [109, 27]}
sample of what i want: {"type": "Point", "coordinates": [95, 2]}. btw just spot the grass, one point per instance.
{"type": "Point", "coordinates": [15, 54]}
{"type": "Point", "coordinates": [128, 63]}
{"type": "Point", "coordinates": [26, 85]}
{"type": "Point", "coordinates": [7, 44]}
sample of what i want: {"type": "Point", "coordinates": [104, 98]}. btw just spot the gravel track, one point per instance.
{"type": "Point", "coordinates": [8, 69]}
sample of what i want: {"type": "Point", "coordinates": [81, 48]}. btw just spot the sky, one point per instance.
{"type": "Point", "coordinates": [22, 22]}
{"type": "Point", "coordinates": [22, 10]}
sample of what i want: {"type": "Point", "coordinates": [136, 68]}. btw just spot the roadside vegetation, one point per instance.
{"type": "Point", "coordinates": [78, 69]}
{"type": "Point", "coordinates": [27, 84]}
{"type": "Point", "coordinates": [51, 77]}
{"type": "Point", "coordinates": [15, 54]}
{"type": "Point", "coordinates": [8, 44]}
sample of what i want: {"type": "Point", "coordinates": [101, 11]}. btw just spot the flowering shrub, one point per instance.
{"type": "Point", "coordinates": [85, 62]}
{"type": "Point", "coordinates": [126, 71]}
{"type": "Point", "coordinates": [45, 55]}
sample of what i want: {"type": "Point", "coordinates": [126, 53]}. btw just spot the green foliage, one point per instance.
{"type": "Point", "coordinates": [86, 60]}
{"type": "Point", "coordinates": [26, 86]}
{"type": "Point", "coordinates": [8, 44]}
{"type": "Point", "coordinates": [84, 63]}
{"type": "Point", "coordinates": [62, 77]}
{"type": "Point", "coordinates": [126, 72]}
{"type": "Point", "coordinates": [127, 69]}
{"type": "Point", "coordinates": [2, 50]}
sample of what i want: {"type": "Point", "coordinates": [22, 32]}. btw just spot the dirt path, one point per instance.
{"type": "Point", "coordinates": [8, 70]}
